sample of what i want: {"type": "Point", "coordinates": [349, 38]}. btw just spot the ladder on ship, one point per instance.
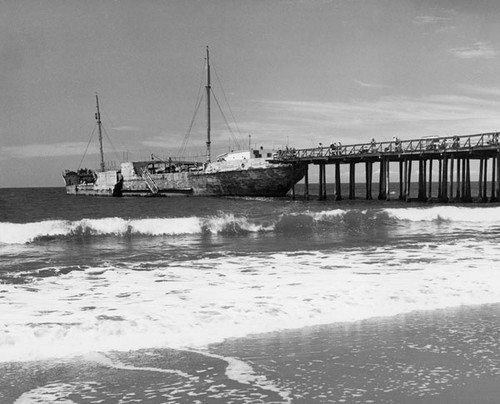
{"type": "Point", "coordinates": [150, 182]}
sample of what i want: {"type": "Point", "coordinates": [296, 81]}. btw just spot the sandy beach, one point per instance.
{"type": "Point", "coordinates": [443, 356]}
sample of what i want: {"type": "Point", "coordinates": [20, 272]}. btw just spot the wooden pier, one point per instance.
{"type": "Point", "coordinates": [445, 158]}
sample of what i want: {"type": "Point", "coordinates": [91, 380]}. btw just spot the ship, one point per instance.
{"type": "Point", "coordinates": [241, 173]}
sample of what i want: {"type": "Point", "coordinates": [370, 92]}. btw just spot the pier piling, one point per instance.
{"type": "Point", "coordinates": [306, 184]}
{"type": "Point", "coordinates": [493, 179]}
{"type": "Point", "coordinates": [485, 182]}
{"type": "Point", "coordinates": [338, 185]}
{"type": "Point", "coordinates": [352, 181]}
{"type": "Point", "coordinates": [498, 177]}
{"type": "Point", "coordinates": [408, 180]}
{"type": "Point", "coordinates": [444, 180]}
{"type": "Point", "coordinates": [382, 192]}
{"type": "Point", "coordinates": [368, 179]}
{"type": "Point", "coordinates": [430, 179]}
{"type": "Point", "coordinates": [320, 195]}
{"type": "Point", "coordinates": [401, 180]}
{"type": "Point", "coordinates": [452, 160]}
{"type": "Point", "coordinates": [480, 182]}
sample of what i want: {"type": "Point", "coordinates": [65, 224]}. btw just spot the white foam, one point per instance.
{"type": "Point", "coordinates": [48, 394]}
{"type": "Point", "coordinates": [170, 226]}
{"type": "Point", "coordinates": [107, 362]}
{"type": "Point", "coordinates": [20, 233]}
{"type": "Point", "coordinates": [229, 222]}
{"type": "Point", "coordinates": [242, 372]}
{"type": "Point", "coordinates": [194, 303]}
{"type": "Point", "coordinates": [488, 215]}
{"type": "Point", "coordinates": [327, 214]}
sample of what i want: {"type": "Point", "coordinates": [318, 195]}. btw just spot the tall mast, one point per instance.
{"type": "Point", "coordinates": [99, 125]}
{"type": "Point", "coordinates": [208, 107]}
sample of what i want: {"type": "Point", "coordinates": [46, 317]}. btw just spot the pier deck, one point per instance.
{"type": "Point", "coordinates": [452, 155]}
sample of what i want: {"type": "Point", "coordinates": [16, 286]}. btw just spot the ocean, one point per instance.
{"type": "Point", "coordinates": [246, 300]}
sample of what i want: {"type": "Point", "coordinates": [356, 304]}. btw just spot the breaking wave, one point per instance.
{"type": "Point", "coordinates": [222, 223]}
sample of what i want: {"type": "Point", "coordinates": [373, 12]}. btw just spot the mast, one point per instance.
{"type": "Point", "coordinates": [208, 107]}
{"type": "Point", "coordinates": [99, 126]}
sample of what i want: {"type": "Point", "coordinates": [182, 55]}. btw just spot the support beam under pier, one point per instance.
{"type": "Point", "coordinates": [352, 180]}
{"type": "Point", "coordinates": [401, 180]}
{"type": "Point", "coordinates": [429, 195]}
{"type": "Point", "coordinates": [382, 192]}
{"type": "Point", "coordinates": [324, 182]}
{"type": "Point", "coordinates": [459, 185]}
{"type": "Point", "coordinates": [452, 160]}
{"type": "Point", "coordinates": [387, 180]}
{"type": "Point", "coordinates": [480, 182]}
{"type": "Point", "coordinates": [468, 194]}
{"type": "Point", "coordinates": [497, 196]}
{"type": "Point", "coordinates": [368, 179]}
{"type": "Point", "coordinates": [444, 180]}
{"type": "Point", "coordinates": [306, 183]}
{"type": "Point", "coordinates": [408, 179]}
{"type": "Point", "coordinates": [485, 181]}
{"type": "Point", "coordinates": [493, 178]}
{"type": "Point", "coordinates": [338, 185]}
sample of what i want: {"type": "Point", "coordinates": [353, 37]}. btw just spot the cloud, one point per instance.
{"type": "Point", "coordinates": [126, 128]}
{"type": "Point", "coordinates": [493, 91]}
{"type": "Point", "coordinates": [45, 150]}
{"type": "Point", "coordinates": [369, 85]}
{"type": "Point", "coordinates": [480, 50]}
{"type": "Point", "coordinates": [383, 118]}
{"type": "Point", "coordinates": [308, 2]}
{"type": "Point", "coordinates": [396, 109]}
{"type": "Point", "coordinates": [437, 23]}
{"type": "Point", "coordinates": [445, 29]}
{"type": "Point", "coordinates": [430, 20]}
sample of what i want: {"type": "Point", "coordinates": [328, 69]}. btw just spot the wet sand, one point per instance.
{"type": "Point", "coordinates": [444, 356]}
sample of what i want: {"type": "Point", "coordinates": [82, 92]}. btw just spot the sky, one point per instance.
{"type": "Point", "coordinates": [285, 72]}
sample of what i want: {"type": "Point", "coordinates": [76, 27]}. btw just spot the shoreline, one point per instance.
{"type": "Point", "coordinates": [442, 356]}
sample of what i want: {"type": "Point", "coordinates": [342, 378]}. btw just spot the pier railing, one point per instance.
{"type": "Point", "coordinates": [430, 144]}
{"type": "Point", "coordinates": [442, 159]}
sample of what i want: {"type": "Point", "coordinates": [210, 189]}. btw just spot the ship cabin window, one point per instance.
{"type": "Point", "coordinates": [269, 155]}
{"type": "Point", "coordinates": [256, 153]}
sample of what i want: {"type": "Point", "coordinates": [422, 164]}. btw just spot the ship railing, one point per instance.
{"type": "Point", "coordinates": [150, 182]}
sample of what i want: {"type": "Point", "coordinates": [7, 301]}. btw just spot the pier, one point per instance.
{"type": "Point", "coordinates": [442, 161]}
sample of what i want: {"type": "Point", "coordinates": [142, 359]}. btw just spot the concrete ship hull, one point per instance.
{"type": "Point", "coordinates": [274, 180]}
{"type": "Point", "coordinates": [266, 182]}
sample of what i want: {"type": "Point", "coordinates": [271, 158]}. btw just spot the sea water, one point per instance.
{"type": "Point", "coordinates": [97, 280]}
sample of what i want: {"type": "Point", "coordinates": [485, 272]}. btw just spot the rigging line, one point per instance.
{"type": "Point", "coordinates": [226, 100]}
{"type": "Point", "coordinates": [237, 143]}
{"type": "Point", "coordinates": [88, 144]}
{"type": "Point", "coordinates": [199, 98]}
{"type": "Point", "coordinates": [182, 149]}
{"type": "Point", "coordinates": [111, 143]}
{"type": "Point", "coordinates": [107, 118]}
